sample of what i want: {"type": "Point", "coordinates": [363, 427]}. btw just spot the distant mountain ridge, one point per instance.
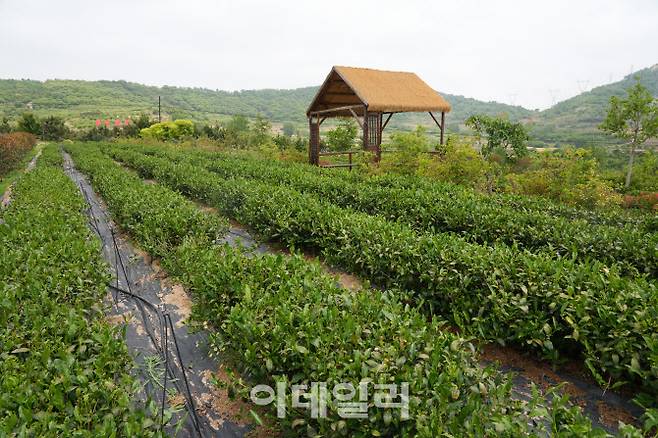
{"type": "Point", "coordinates": [578, 117]}
{"type": "Point", "coordinates": [81, 102]}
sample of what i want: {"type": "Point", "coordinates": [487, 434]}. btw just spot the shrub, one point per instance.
{"type": "Point", "coordinates": [164, 131]}
{"type": "Point", "coordinates": [214, 132]}
{"type": "Point", "coordinates": [343, 136]}
{"type": "Point", "coordinates": [408, 147]}
{"type": "Point", "coordinates": [29, 123]}
{"type": "Point", "coordinates": [648, 201]}
{"type": "Point", "coordinates": [570, 175]}
{"type": "Point", "coordinates": [645, 176]}
{"type": "Point", "coordinates": [13, 148]}
{"type": "Point", "coordinates": [288, 129]}
{"type": "Point", "coordinates": [97, 133]}
{"type": "Point", "coordinates": [459, 164]}
{"type": "Point", "coordinates": [260, 133]}
{"type": "Point", "coordinates": [53, 128]}
{"type": "Point", "coordinates": [5, 127]}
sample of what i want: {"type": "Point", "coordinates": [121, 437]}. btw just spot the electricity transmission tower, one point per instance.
{"type": "Point", "coordinates": [554, 94]}
{"type": "Point", "coordinates": [582, 85]}
{"type": "Point", "coordinates": [512, 98]}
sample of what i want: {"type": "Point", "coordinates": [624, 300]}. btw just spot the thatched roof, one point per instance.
{"type": "Point", "coordinates": [379, 90]}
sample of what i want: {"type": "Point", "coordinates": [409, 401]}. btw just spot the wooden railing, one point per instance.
{"type": "Point", "coordinates": [349, 164]}
{"type": "Point", "coordinates": [349, 154]}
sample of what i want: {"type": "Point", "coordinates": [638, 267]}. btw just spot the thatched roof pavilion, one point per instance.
{"type": "Point", "coordinates": [371, 97]}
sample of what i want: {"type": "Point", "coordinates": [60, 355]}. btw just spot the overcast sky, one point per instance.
{"type": "Point", "coordinates": [524, 52]}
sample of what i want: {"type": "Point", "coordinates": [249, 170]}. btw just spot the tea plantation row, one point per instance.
{"type": "Point", "coordinates": [63, 370]}
{"type": "Point", "coordinates": [526, 204]}
{"type": "Point", "coordinates": [495, 293]}
{"type": "Point", "coordinates": [289, 322]}
{"type": "Point", "coordinates": [463, 213]}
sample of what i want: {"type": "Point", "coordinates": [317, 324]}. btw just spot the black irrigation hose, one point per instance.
{"type": "Point", "coordinates": [96, 228]}
{"type": "Point", "coordinates": [118, 260]}
{"type": "Point", "coordinates": [165, 328]}
{"type": "Point", "coordinates": [164, 319]}
{"type": "Point", "coordinates": [180, 360]}
{"type": "Point", "coordinates": [165, 344]}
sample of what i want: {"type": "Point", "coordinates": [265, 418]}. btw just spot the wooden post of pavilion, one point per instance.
{"type": "Point", "coordinates": [314, 141]}
{"type": "Point", "coordinates": [443, 125]}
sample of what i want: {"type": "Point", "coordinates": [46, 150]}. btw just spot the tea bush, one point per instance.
{"type": "Point", "coordinates": [65, 371]}
{"type": "Point", "coordinates": [459, 213]}
{"type": "Point", "coordinates": [496, 293]}
{"type": "Point", "coordinates": [289, 322]}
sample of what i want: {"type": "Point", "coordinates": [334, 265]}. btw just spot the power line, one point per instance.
{"type": "Point", "coordinates": [582, 85]}
{"type": "Point", "coordinates": [512, 98]}
{"type": "Point", "coordinates": [554, 94]}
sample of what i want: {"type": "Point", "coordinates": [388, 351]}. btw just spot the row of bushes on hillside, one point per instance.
{"type": "Point", "coordinates": [14, 147]}
{"type": "Point", "coordinates": [567, 175]}
{"type": "Point", "coordinates": [497, 159]}
{"type": "Point", "coordinates": [238, 132]}
{"type": "Point", "coordinates": [47, 128]}
{"type": "Point", "coordinates": [613, 162]}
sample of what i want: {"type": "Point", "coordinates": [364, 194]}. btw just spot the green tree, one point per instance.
{"type": "Point", "coordinates": [343, 136]}
{"type": "Point", "coordinates": [5, 127]}
{"type": "Point", "coordinates": [634, 119]}
{"type": "Point", "coordinates": [288, 129]}
{"type": "Point", "coordinates": [260, 131]}
{"type": "Point", "coordinates": [238, 124]}
{"type": "Point", "coordinates": [53, 128]}
{"type": "Point", "coordinates": [143, 121]}
{"type": "Point", "coordinates": [502, 136]}
{"type": "Point", "coordinates": [409, 147]}
{"type": "Point", "coordinates": [29, 123]}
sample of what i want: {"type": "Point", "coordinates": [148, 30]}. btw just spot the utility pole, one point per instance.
{"type": "Point", "coordinates": [159, 115]}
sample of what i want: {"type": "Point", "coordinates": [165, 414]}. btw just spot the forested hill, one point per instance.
{"type": "Point", "coordinates": [81, 102]}
{"type": "Point", "coordinates": [577, 118]}
{"type": "Point", "coordinates": [87, 100]}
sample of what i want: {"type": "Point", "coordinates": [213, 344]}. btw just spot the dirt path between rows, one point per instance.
{"type": "Point", "coordinates": [606, 408]}
{"type": "Point", "coordinates": [6, 196]}
{"type": "Point", "coordinates": [206, 409]}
